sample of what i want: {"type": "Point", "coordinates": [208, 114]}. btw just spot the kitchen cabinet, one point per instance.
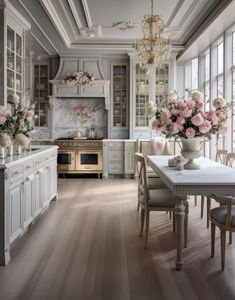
{"type": "Point", "coordinates": [119, 100]}
{"type": "Point", "coordinates": [16, 62]}
{"type": "Point", "coordinates": [146, 87]}
{"type": "Point", "coordinates": [28, 184]}
{"type": "Point", "coordinates": [41, 92]}
{"type": "Point", "coordinates": [118, 158]}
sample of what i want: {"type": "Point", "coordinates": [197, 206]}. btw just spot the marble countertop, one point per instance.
{"type": "Point", "coordinates": [9, 161]}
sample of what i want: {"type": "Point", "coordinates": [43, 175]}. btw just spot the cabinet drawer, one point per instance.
{"type": "Point", "coordinates": [16, 172]}
{"type": "Point", "coordinates": [115, 144]}
{"type": "Point", "coordinates": [115, 168]}
{"type": "Point", "coordinates": [29, 166]}
{"type": "Point", "coordinates": [116, 155]}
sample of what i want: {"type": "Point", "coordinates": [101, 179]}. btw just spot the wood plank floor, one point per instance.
{"type": "Point", "coordinates": [86, 247]}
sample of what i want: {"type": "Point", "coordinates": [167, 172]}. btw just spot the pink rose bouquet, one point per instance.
{"type": "Point", "coordinates": [187, 118]}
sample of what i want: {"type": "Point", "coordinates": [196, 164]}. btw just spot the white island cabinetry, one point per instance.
{"type": "Point", "coordinates": [28, 184]}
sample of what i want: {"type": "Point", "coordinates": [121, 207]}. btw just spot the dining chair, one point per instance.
{"type": "Point", "coordinates": [224, 218]}
{"type": "Point", "coordinates": [155, 200]}
{"type": "Point", "coordinates": [153, 182]}
{"type": "Point", "coordinates": [225, 158]}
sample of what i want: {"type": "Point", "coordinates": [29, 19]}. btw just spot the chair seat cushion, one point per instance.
{"type": "Point", "coordinates": [151, 173]}
{"type": "Point", "coordinates": [219, 214]}
{"type": "Point", "coordinates": [156, 183]}
{"type": "Point", "coordinates": [161, 198]}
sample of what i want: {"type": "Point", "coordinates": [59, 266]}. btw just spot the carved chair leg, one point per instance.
{"type": "Point", "coordinates": [146, 228]}
{"type": "Point", "coordinates": [173, 221]}
{"type": "Point", "coordinates": [223, 242]}
{"type": "Point", "coordinates": [202, 206]}
{"type": "Point", "coordinates": [230, 237]}
{"type": "Point", "coordinates": [212, 239]}
{"type": "Point", "coordinates": [195, 200]}
{"type": "Point", "coordinates": [208, 212]}
{"type": "Point", "coordinates": [142, 215]}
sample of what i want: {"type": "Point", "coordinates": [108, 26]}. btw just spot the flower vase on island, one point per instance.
{"type": "Point", "coordinates": [185, 119]}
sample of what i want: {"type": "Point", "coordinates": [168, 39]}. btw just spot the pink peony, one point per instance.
{"type": "Point", "coordinates": [205, 126]}
{"type": "Point", "coordinates": [5, 140]}
{"type": "Point", "coordinates": [190, 132]}
{"type": "Point", "coordinates": [2, 119]}
{"type": "Point", "coordinates": [219, 102]}
{"type": "Point", "coordinates": [165, 117]}
{"type": "Point", "coordinates": [172, 96]}
{"type": "Point", "coordinates": [200, 104]}
{"type": "Point", "coordinates": [191, 104]}
{"type": "Point", "coordinates": [182, 105]}
{"type": "Point", "coordinates": [175, 128]}
{"type": "Point", "coordinates": [223, 129]}
{"type": "Point", "coordinates": [186, 113]}
{"type": "Point", "coordinates": [158, 126]}
{"type": "Point", "coordinates": [197, 120]}
{"type": "Point", "coordinates": [150, 109]}
{"type": "Point", "coordinates": [180, 120]}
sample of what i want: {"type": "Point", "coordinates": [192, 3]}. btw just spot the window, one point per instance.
{"type": "Point", "coordinates": [195, 74]}
{"type": "Point", "coordinates": [207, 79]}
{"type": "Point", "coordinates": [220, 70]}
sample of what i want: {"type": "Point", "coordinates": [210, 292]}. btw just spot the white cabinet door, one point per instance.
{"type": "Point", "coordinates": [53, 179]}
{"type": "Point", "coordinates": [28, 209]}
{"type": "Point", "coordinates": [46, 189]}
{"type": "Point", "coordinates": [37, 193]}
{"type": "Point", "coordinates": [129, 163]}
{"type": "Point", "coordinates": [16, 226]}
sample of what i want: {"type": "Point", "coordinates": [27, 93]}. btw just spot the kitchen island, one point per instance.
{"type": "Point", "coordinates": [28, 183]}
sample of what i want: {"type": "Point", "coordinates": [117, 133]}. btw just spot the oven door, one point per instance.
{"type": "Point", "coordinates": [89, 160]}
{"type": "Point", "coordinates": [66, 160]}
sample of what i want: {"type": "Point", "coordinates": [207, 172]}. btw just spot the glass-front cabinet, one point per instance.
{"type": "Point", "coordinates": [14, 64]}
{"type": "Point", "coordinates": [41, 92]}
{"type": "Point", "coordinates": [144, 87]}
{"type": "Point", "coordinates": [161, 83]}
{"type": "Point", "coordinates": [120, 103]}
{"type": "Point", "coordinates": [141, 97]}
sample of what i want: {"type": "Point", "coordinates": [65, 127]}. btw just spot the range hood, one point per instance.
{"type": "Point", "coordinates": [99, 88]}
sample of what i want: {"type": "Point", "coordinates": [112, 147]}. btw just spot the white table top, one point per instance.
{"type": "Point", "coordinates": [213, 177]}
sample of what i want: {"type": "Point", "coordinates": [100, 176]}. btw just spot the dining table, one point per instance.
{"type": "Point", "coordinates": [211, 178]}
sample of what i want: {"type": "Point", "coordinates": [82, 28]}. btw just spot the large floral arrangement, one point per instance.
{"type": "Point", "coordinates": [16, 124]}
{"type": "Point", "coordinates": [79, 78]}
{"type": "Point", "coordinates": [186, 117]}
{"type": "Point", "coordinates": [85, 113]}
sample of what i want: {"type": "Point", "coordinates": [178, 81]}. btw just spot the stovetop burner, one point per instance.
{"type": "Point", "coordinates": [78, 139]}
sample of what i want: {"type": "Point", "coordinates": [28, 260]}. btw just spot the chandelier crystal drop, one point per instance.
{"type": "Point", "coordinates": [153, 46]}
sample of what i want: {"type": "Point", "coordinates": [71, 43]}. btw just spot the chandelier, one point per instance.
{"type": "Point", "coordinates": [153, 46]}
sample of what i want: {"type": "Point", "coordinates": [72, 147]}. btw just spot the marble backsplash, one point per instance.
{"type": "Point", "coordinates": [80, 114]}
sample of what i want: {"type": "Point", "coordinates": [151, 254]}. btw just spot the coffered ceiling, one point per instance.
{"type": "Point", "coordinates": [87, 24]}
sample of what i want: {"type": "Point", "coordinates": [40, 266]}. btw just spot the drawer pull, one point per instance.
{"type": "Point", "coordinates": [38, 162]}
{"type": "Point", "coordinates": [28, 167]}
{"type": "Point", "coordinates": [46, 158]}
{"type": "Point", "coordinates": [16, 173]}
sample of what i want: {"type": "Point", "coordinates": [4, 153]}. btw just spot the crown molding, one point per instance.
{"type": "Point", "coordinates": [39, 27]}
{"type": "Point", "coordinates": [11, 10]}
{"type": "Point", "coordinates": [87, 13]}
{"type": "Point", "coordinates": [212, 13]}
{"type": "Point", "coordinates": [175, 12]}
{"type": "Point", "coordinates": [75, 33]}
{"type": "Point", "coordinates": [56, 20]}
{"type": "Point", "coordinates": [75, 14]}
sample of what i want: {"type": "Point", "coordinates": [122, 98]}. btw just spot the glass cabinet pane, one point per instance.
{"type": "Point", "coordinates": [41, 92]}
{"type": "Point", "coordinates": [18, 45]}
{"type": "Point", "coordinates": [18, 82]}
{"type": "Point", "coordinates": [120, 96]}
{"type": "Point", "coordinates": [10, 79]}
{"type": "Point", "coordinates": [10, 39]}
{"type": "Point", "coordinates": [142, 97]}
{"type": "Point", "coordinates": [10, 60]}
{"type": "Point", "coordinates": [18, 64]}
{"type": "Point", "coordinates": [161, 84]}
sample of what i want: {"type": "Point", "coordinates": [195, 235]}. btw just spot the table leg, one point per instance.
{"type": "Point", "coordinates": [180, 215]}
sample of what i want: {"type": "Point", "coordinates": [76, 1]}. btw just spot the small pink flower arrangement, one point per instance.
{"type": "Point", "coordinates": [79, 78]}
{"type": "Point", "coordinates": [187, 118]}
{"type": "Point", "coordinates": [85, 113]}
